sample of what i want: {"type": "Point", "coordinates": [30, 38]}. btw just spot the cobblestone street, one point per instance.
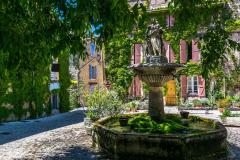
{"type": "Point", "coordinates": [61, 137]}
{"type": "Point", "coordinates": [234, 141]}
{"type": "Point", "coordinates": [56, 137]}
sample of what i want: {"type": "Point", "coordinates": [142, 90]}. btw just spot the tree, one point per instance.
{"type": "Point", "coordinates": [32, 32]}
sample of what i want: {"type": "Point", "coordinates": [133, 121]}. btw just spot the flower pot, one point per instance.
{"type": "Point", "coordinates": [87, 121]}
{"type": "Point", "coordinates": [199, 106]}
{"type": "Point", "coordinates": [88, 125]}
{"type": "Point", "coordinates": [89, 130]}
{"type": "Point", "coordinates": [221, 110]}
{"type": "Point", "coordinates": [123, 121]}
{"type": "Point", "coordinates": [133, 110]}
{"type": "Point", "coordinates": [184, 114]}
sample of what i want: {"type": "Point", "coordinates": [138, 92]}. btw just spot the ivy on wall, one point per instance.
{"type": "Point", "coordinates": [65, 81]}
{"type": "Point", "coordinates": [25, 91]}
{"type": "Point", "coordinates": [118, 53]}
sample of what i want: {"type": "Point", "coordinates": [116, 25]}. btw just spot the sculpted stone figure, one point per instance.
{"type": "Point", "coordinates": [155, 50]}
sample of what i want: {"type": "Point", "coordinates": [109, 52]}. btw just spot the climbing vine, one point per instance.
{"type": "Point", "coordinates": [65, 82]}
{"type": "Point", "coordinates": [118, 57]}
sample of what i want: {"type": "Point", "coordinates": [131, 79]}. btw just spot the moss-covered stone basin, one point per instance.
{"type": "Point", "coordinates": [204, 140]}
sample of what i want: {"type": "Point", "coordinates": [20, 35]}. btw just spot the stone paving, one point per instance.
{"type": "Point", "coordinates": [234, 141]}
{"type": "Point", "coordinates": [63, 137]}
{"type": "Point", "coordinates": [57, 137]}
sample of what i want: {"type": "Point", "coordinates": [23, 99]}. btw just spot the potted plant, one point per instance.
{"type": "Point", "coordinates": [134, 106]}
{"type": "Point", "coordinates": [123, 121]}
{"type": "Point", "coordinates": [222, 104]}
{"type": "Point", "coordinates": [197, 103]}
{"type": "Point", "coordinates": [184, 114]}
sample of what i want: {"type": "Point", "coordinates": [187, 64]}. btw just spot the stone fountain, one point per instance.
{"type": "Point", "coordinates": [156, 71]}
{"type": "Point", "coordinates": [208, 143]}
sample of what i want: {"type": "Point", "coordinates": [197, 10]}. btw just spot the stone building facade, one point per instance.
{"type": "Point", "coordinates": [91, 70]}
{"type": "Point", "coordinates": [193, 86]}
{"type": "Point", "coordinates": [190, 86]}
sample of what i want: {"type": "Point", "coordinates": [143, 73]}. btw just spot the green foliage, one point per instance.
{"type": "Point", "coordinates": [32, 32]}
{"type": "Point", "coordinates": [25, 86]}
{"type": "Point", "coordinates": [131, 106]}
{"type": "Point", "coordinates": [75, 93]}
{"type": "Point", "coordinates": [224, 103]}
{"type": "Point", "coordinates": [164, 90]}
{"type": "Point", "coordinates": [215, 44]}
{"type": "Point", "coordinates": [233, 25]}
{"type": "Point", "coordinates": [143, 123]}
{"type": "Point", "coordinates": [4, 113]}
{"type": "Point", "coordinates": [196, 102]}
{"type": "Point", "coordinates": [101, 103]}
{"type": "Point", "coordinates": [191, 69]}
{"type": "Point", "coordinates": [118, 57]}
{"type": "Point", "coordinates": [205, 102]}
{"type": "Point", "coordinates": [226, 113]}
{"type": "Point", "coordinates": [65, 82]}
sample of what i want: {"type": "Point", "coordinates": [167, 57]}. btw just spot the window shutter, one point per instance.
{"type": "Point", "coordinates": [92, 49]}
{"type": "Point", "coordinates": [96, 72]}
{"type": "Point", "coordinates": [90, 71]}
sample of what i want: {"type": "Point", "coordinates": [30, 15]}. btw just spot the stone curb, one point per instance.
{"type": "Point", "coordinates": [231, 125]}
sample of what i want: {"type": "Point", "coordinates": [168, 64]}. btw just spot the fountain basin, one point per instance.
{"type": "Point", "coordinates": [156, 74]}
{"type": "Point", "coordinates": [127, 144]}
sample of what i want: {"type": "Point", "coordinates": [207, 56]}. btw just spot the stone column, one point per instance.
{"type": "Point", "coordinates": [156, 106]}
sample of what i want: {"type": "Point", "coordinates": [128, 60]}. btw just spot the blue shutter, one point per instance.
{"type": "Point", "coordinates": [92, 49]}
{"type": "Point", "coordinates": [90, 71]}
{"type": "Point", "coordinates": [96, 72]}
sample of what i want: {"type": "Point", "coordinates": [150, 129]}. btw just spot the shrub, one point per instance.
{"type": "Point", "coordinates": [197, 102]}
{"type": "Point", "coordinates": [226, 113]}
{"type": "Point", "coordinates": [223, 103]}
{"type": "Point", "coordinates": [204, 101]}
{"type": "Point", "coordinates": [4, 113]}
{"type": "Point", "coordinates": [101, 103]}
{"type": "Point", "coordinates": [188, 103]}
{"type": "Point", "coordinates": [237, 98]}
{"type": "Point", "coordinates": [218, 95]}
{"type": "Point", "coordinates": [131, 106]}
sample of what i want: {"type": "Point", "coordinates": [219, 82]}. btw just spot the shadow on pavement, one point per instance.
{"type": "Point", "coordinates": [235, 150]}
{"type": "Point", "coordinates": [78, 153]}
{"type": "Point", "coordinates": [13, 131]}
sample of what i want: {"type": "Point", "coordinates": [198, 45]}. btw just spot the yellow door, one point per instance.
{"type": "Point", "coordinates": [171, 98]}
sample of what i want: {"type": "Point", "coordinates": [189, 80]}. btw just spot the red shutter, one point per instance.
{"type": "Point", "coordinates": [183, 52]}
{"type": "Point", "coordinates": [201, 84]}
{"type": "Point", "coordinates": [183, 86]}
{"type": "Point", "coordinates": [137, 53]}
{"type": "Point", "coordinates": [195, 52]}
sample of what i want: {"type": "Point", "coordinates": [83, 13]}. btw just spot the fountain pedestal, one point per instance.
{"type": "Point", "coordinates": [156, 75]}
{"type": "Point", "coordinates": [156, 100]}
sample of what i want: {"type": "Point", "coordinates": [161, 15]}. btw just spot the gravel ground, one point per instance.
{"type": "Point", "coordinates": [62, 137]}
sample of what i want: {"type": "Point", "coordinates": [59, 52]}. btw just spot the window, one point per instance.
{"type": "Point", "coordinates": [92, 49]}
{"type": "Point", "coordinates": [189, 51]}
{"type": "Point", "coordinates": [92, 72]}
{"type": "Point", "coordinates": [192, 85]}
{"type": "Point", "coordinates": [55, 67]}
